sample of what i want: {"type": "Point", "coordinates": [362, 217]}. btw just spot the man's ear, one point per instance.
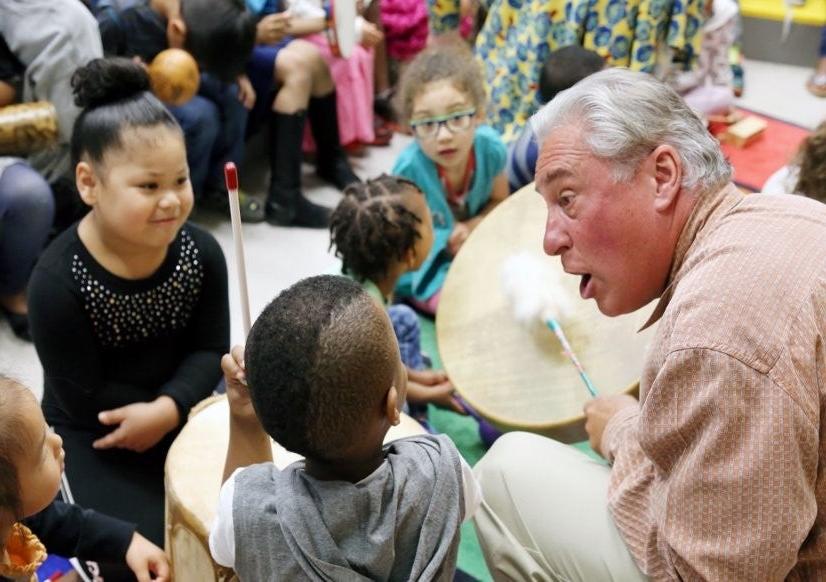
{"type": "Point", "coordinates": [87, 183]}
{"type": "Point", "coordinates": [392, 405]}
{"type": "Point", "coordinates": [667, 168]}
{"type": "Point", "coordinates": [176, 32]}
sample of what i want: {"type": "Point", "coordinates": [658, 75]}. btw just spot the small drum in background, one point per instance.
{"type": "Point", "coordinates": [516, 376]}
{"type": "Point", "coordinates": [27, 128]}
{"type": "Point", "coordinates": [194, 467]}
{"type": "Point", "coordinates": [174, 76]}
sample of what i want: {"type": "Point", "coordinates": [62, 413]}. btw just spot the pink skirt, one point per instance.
{"type": "Point", "coordinates": [353, 79]}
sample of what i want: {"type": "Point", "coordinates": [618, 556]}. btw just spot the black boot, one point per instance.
{"type": "Point", "coordinates": [331, 164]}
{"type": "Point", "coordinates": [286, 205]}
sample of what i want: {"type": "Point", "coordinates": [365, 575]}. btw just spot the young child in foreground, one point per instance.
{"type": "Point", "coordinates": [325, 380]}
{"type": "Point", "coordinates": [381, 230]}
{"type": "Point", "coordinates": [31, 465]}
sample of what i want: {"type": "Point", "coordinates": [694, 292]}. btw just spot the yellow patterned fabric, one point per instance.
{"type": "Point", "coordinates": [23, 554]}
{"type": "Point", "coordinates": [518, 35]}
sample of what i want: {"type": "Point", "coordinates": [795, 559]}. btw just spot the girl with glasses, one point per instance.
{"type": "Point", "coordinates": [456, 161]}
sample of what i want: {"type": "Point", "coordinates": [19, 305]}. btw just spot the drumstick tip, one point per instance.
{"type": "Point", "coordinates": [231, 176]}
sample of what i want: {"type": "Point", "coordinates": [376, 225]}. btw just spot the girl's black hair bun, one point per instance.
{"type": "Point", "coordinates": [104, 81]}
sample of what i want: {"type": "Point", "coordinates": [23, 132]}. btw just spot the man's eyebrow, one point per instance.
{"type": "Point", "coordinates": [555, 175]}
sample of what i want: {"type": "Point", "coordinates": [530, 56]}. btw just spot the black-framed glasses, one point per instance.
{"type": "Point", "coordinates": [454, 122]}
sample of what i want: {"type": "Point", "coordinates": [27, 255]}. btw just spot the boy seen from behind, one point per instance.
{"type": "Point", "coordinates": [325, 380]}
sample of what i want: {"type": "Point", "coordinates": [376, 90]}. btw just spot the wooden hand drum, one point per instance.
{"type": "Point", "coordinates": [27, 128]}
{"type": "Point", "coordinates": [194, 467]}
{"type": "Point", "coordinates": [517, 376]}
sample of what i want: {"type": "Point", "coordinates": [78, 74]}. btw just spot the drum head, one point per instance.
{"type": "Point", "coordinates": [514, 375]}
{"type": "Point", "coordinates": [345, 14]}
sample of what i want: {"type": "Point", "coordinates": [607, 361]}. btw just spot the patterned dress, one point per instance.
{"type": "Point", "coordinates": [518, 35]}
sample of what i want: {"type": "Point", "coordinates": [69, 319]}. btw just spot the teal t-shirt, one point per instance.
{"type": "Point", "coordinates": [414, 165]}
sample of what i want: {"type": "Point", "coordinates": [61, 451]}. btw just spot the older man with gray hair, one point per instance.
{"type": "Point", "coordinates": [715, 473]}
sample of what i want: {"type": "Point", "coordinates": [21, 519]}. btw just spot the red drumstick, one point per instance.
{"type": "Point", "coordinates": [231, 176]}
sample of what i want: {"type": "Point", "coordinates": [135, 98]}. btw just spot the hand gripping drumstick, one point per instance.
{"type": "Point", "coordinates": [231, 177]}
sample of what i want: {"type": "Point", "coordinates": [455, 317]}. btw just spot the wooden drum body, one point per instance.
{"type": "Point", "coordinates": [194, 467]}
{"type": "Point", "coordinates": [27, 128]}
{"type": "Point", "coordinates": [517, 376]}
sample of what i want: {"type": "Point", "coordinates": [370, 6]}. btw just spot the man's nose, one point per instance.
{"type": "Point", "coordinates": [556, 239]}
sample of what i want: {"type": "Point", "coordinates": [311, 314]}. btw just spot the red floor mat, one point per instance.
{"type": "Point", "coordinates": [760, 159]}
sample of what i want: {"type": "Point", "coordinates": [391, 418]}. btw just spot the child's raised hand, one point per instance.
{"type": "Point", "coordinates": [238, 394]}
{"type": "Point", "coordinates": [457, 238]}
{"type": "Point", "coordinates": [146, 560]}
{"type": "Point", "coordinates": [141, 425]}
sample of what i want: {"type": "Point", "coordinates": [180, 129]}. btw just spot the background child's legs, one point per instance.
{"type": "Point", "coordinates": [229, 143]}
{"type": "Point", "coordinates": [406, 327]}
{"type": "Point", "coordinates": [26, 212]}
{"type": "Point", "coordinates": [716, 44]}
{"type": "Point", "coordinates": [200, 120]}
{"type": "Point", "coordinates": [353, 78]}
{"type": "Point", "coordinates": [306, 84]}
{"type": "Point", "coordinates": [301, 73]}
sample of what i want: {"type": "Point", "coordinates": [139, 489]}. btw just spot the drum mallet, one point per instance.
{"type": "Point", "coordinates": [231, 177]}
{"type": "Point", "coordinates": [535, 296]}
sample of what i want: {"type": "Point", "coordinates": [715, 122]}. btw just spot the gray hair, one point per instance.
{"type": "Point", "coordinates": [625, 115]}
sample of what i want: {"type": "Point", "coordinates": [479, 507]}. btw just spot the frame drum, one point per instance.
{"type": "Point", "coordinates": [193, 480]}
{"type": "Point", "coordinates": [517, 376]}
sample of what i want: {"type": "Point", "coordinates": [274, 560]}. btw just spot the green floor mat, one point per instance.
{"type": "Point", "coordinates": [464, 432]}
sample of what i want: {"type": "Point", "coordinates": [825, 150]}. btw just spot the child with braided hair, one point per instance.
{"type": "Point", "coordinates": [381, 230]}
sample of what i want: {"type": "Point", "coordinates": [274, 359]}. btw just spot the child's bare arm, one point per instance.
{"type": "Point", "coordinates": [499, 191]}
{"type": "Point", "coordinates": [248, 443]}
{"type": "Point", "coordinates": [305, 26]}
{"type": "Point", "coordinates": [432, 386]}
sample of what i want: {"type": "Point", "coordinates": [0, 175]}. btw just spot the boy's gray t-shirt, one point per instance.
{"type": "Point", "coordinates": [400, 523]}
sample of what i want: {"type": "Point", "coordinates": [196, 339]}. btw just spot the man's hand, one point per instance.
{"type": "Point", "coordinates": [238, 395]}
{"type": "Point", "coordinates": [140, 425]}
{"type": "Point", "coordinates": [272, 28]}
{"type": "Point", "coordinates": [371, 35]}
{"type": "Point", "coordinates": [246, 94]}
{"type": "Point", "coordinates": [457, 238]}
{"type": "Point", "coordinates": [599, 411]}
{"type": "Point", "coordinates": [146, 560]}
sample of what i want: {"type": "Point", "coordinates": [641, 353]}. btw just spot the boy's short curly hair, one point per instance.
{"type": "Point", "coordinates": [372, 227]}
{"type": "Point", "coordinates": [319, 357]}
{"type": "Point", "coordinates": [811, 161]}
{"type": "Point", "coordinates": [451, 61]}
